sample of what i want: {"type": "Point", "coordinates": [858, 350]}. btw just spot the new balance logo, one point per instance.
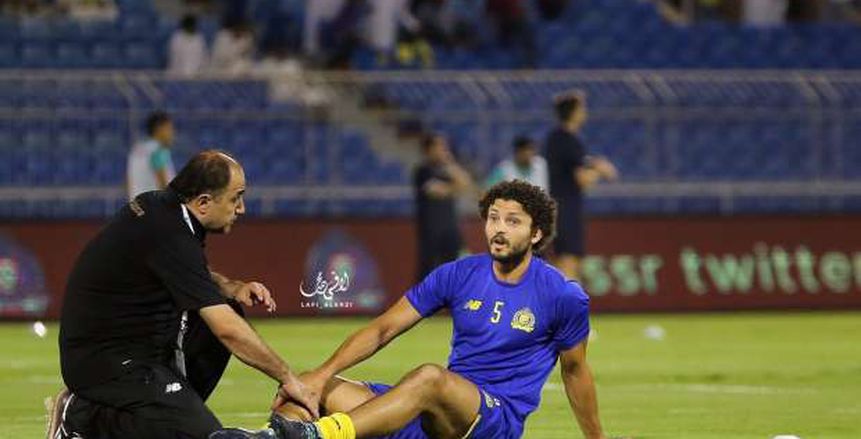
{"type": "Point", "coordinates": [472, 305]}
{"type": "Point", "coordinates": [173, 387]}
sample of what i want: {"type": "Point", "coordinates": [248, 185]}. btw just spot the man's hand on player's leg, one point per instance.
{"type": "Point", "coordinates": [294, 390]}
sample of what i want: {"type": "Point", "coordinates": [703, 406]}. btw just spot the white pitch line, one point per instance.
{"type": "Point", "coordinates": [736, 389]}
{"type": "Point", "coordinates": [729, 389]}
{"type": "Point", "coordinates": [26, 364]}
{"type": "Point", "coordinates": [261, 415]}
{"type": "Point", "coordinates": [553, 386]}
{"type": "Point", "coordinates": [44, 379]}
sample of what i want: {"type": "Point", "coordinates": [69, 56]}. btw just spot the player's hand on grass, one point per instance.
{"type": "Point", "coordinates": [293, 390]}
{"type": "Point", "coordinates": [253, 293]}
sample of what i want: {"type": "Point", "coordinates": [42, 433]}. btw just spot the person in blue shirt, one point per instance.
{"type": "Point", "coordinates": [514, 316]}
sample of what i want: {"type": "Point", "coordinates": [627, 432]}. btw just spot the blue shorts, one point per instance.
{"type": "Point", "coordinates": [495, 421]}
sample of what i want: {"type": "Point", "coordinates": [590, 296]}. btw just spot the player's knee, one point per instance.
{"type": "Point", "coordinates": [429, 375]}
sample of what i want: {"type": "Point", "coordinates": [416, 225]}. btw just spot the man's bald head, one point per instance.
{"type": "Point", "coordinates": [208, 172]}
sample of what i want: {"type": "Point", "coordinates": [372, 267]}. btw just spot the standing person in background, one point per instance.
{"type": "Point", "coordinates": [233, 50]}
{"type": "Point", "coordinates": [572, 173]}
{"type": "Point", "coordinates": [150, 166]}
{"type": "Point", "coordinates": [316, 14]}
{"type": "Point", "coordinates": [513, 29]}
{"type": "Point", "coordinates": [438, 181]}
{"type": "Point", "coordinates": [386, 17]}
{"type": "Point", "coordinates": [525, 165]}
{"type": "Point", "coordinates": [187, 51]}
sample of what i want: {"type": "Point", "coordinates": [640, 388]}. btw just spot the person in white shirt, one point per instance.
{"type": "Point", "coordinates": [316, 13]}
{"type": "Point", "coordinates": [525, 165]}
{"type": "Point", "coordinates": [383, 22]}
{"type": "Point", "coordinates": [233, 50]}
{"type": "Point", "coordinates": [150, 166]}
{"type": "Point", "coordinates": [187, 50]}
{"type": "Point", "coordinates": [764, 13]}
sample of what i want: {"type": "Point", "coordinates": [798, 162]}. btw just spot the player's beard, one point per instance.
{"type": "Point", "coordinates": [514, 257]}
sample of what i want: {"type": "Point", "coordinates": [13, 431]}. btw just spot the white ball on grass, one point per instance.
{"type": "Point", "coordinates": [40, 330]}
{"type": "Point", "coordinates": [654, 332]}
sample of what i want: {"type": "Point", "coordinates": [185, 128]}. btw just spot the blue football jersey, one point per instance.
{"type": "Point", "coordinates": [507, 337]}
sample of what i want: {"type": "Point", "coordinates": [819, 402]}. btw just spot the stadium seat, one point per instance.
{"type": "Point", "coordinates": [36, 55]}
{"type": "Point", "coordinates": [106, 54]}
{"type": "Point", "coordinates": [8, 53]}
{"type": "Point", "coordinates": [71, 55]}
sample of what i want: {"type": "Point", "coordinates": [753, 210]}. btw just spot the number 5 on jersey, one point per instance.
{"type": "Point", "coordinates": [497, 311]}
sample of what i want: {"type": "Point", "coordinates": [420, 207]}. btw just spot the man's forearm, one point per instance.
{"type": "Point", "coordinates": [247, 345]}
{"type": "Point", "coordinates": [580, 388]}
{"type": "Point", "coordinates": [586, 177]}
{"type": "Point", "coordinates": [228, 287]}
{"type": "Point", "coordinates": [460, 178]}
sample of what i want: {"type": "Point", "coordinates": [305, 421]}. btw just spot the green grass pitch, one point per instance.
{"type": "Point", "coordinates": [727, 375]}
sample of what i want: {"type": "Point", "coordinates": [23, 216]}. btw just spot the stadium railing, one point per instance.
{"type": "Point", "coordinates": [323, 143]}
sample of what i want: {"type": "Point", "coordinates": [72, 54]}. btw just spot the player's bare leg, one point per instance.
{"type": "Point", "coordinates": [569, 265]}
{"type": "Point", "coordinates": [447, 402]}
{"type": "Point", "coordinates": [340, 395]}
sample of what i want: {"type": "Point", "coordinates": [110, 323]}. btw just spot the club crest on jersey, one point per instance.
{"type": "Point", "coordinates": [490, 401]}
{"type": "Point", "coordinates": [523, 320]}
{"type": "Point", "coordinates": [472, 305]}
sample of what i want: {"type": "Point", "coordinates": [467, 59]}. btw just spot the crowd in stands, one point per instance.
{"type": "Point", "coordinates": [77, 9]}
{"type": "Point", "coordinates": [762, 12]}
{"type": "Point", "coordinates": [391, 33]}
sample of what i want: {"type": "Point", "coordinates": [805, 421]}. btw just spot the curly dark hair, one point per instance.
{"type": "Point", "coordinates": [537, 204]}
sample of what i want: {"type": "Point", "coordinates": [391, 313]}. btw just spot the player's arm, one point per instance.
{"type": "Point", "coordinates": [161, 178]}
{"type": "Point", "coordinates": [580, 389]}
{"type": "Point", "coordinates": [246, 293]}
{"type": "Point", "coordinates": [158, 162]}
{"type": "Point", "coordinates": [460, 182]}
{"type": "Point", "coordinates": [436, 188]}
{"type": "Point", "coordinates": [236, 334]}
{"type": "Point", "coordinates": [460, 179]}
{"type": "Point", "coordinates": [596, 169]}
{"type": "Point", "coordinates": [367, 341]}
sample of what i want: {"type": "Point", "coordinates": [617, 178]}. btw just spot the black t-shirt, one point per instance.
{"type": "Point", "coordinates": [128, 289]}
{"type": "Point", "coordinates": [434, 215]}
{"type": "Point", "coordinates": [565, 153]}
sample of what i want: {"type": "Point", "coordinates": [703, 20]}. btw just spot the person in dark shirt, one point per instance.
{"type": "Point", "coordinates": [147, 329]}
{"type": "Point", "coordinates": [437, 181]}
{"type": "Point", "coordinates": [572, 172]}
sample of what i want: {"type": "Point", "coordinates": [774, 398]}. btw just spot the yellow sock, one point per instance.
{"type": "Point", "coordinates": [336, 426]}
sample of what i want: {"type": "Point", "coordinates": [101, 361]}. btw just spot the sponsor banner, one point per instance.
{"type": "Point", "coordinates": [345, 267]}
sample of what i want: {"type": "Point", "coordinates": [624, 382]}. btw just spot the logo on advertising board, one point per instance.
{"type": "Point", "coordinates": [340, 277]}
{"type": "Point", "coordinates": [22, 281]}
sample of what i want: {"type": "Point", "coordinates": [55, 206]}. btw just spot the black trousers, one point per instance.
{"type": "Point", "coordinates": [436, 247]}
{"type": "Point", "coordinates": [155, 401]}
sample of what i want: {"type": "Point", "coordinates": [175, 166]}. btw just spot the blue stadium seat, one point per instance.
{"type": "Point", "coordinates": [141, 55]}
{"type": "Point", "coordinates": [71, 55]}
{"type": "Point", "coordinates": [106, 54]}
{"type": "Point", "coordinates": [8, 53]}
{"type": "Point", "coordinates": [36, 55]}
